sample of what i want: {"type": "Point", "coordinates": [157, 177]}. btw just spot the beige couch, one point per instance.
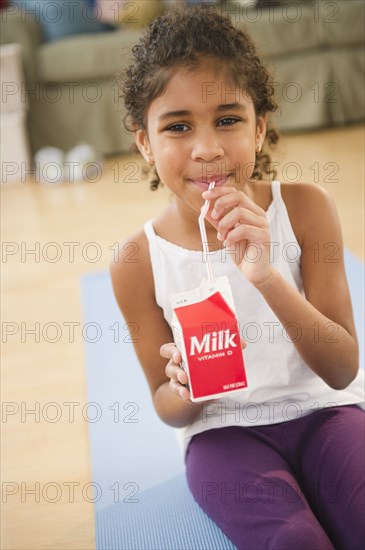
{"type": "Point", "coordinates": [316, 51]}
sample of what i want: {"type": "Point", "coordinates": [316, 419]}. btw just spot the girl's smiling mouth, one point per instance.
{"type": "Point", "coordinates": [204, 182]}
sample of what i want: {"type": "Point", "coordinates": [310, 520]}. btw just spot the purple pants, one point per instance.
{"type": "Point", "coordinates": [297, 485]}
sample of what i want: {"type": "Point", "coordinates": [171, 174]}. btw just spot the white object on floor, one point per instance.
{"type": "Point", "coordinates": [49, 165]}
{"type": "Point", "coordinates": [82, 163]}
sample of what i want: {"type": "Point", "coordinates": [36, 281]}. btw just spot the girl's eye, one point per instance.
{"type": "Point", "coordinates": [228, 121]}
{"type": "Point", "coordinates": [178, 128]}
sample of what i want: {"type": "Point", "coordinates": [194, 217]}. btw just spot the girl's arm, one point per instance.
{"type": "Point", "coordinates": [327, 341]}
{"type": "Point", "coordinates": [320, 325]}
{"type": "Point", "coordinates": [134, 291]}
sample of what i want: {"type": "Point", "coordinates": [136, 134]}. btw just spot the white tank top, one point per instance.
{"type": "Point", "coordinates": [281, 386]}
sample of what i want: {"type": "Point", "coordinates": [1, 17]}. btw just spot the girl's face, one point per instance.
{"type": "Point", "coordinates": [202, 128]}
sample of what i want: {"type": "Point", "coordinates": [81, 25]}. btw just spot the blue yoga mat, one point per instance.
{"type": "Point", "coordinates": [137, 465]}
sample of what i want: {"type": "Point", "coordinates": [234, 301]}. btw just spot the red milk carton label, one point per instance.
{"type": "Point", "coordinates": [207, 334]}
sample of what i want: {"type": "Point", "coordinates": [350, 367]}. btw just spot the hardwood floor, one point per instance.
{"type": "Point", "coordinates": [41, 271]}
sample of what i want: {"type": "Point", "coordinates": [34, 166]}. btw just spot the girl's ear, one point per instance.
{"type": "Point", "coordinates": [261, 131]}
{"type": "Point", "coordinates": [143, 144]}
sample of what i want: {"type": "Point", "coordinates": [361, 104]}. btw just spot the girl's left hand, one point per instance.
{"type": "Point", "coordinates": [244, 228]}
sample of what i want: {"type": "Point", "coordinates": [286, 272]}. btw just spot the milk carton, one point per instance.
{"type": "Point", "coordinates": [206, 333]}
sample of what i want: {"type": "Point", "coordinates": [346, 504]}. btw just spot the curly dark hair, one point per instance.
{"type": "Point", "coordinates": [185, 37]}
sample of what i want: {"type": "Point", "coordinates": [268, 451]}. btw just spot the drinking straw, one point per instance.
{"type": "Point", "coordinates": [203, 234]}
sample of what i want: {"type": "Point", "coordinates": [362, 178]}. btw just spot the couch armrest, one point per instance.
{"type": "Point", "coordinates": [18, 27]}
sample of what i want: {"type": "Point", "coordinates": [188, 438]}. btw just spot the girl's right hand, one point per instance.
{"type": "Point", "coordinates": [177, 375]}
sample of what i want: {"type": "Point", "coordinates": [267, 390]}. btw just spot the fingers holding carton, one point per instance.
{"type": "Point", "coordinates": [178, 377]}
{"type": "Point", "coordinates": [179, 382]}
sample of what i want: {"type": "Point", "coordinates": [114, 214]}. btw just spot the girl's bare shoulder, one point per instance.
{"type": "Point", "coordinates": [309, 207]}
{"type": "Point", "coordinates": [292, 194]}
{"type": "Point", "coordinates": [130, 268]}
{"type": "Point", "coordinates": [304, 190]}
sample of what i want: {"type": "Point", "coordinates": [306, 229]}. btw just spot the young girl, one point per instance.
{"type": "Point", "coordinates": [279, 465]}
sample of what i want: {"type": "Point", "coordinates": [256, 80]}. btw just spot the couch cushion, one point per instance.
{"type": "Point", "coordinates": [349, 29]}
{"type": "Point", "coordinates": [297, 26]}
{"type": "Point", "coordinates": [85, 57]}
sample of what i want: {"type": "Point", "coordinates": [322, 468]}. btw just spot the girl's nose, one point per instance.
{"type": "Point", "coordinates": [206, 147]}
